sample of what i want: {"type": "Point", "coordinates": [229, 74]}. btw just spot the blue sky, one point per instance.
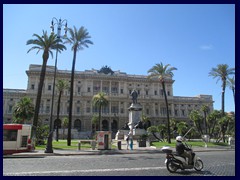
{"type": "Point", "coordinates": [131, 38]}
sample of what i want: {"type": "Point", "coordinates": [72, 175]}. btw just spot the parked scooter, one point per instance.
{"type": "Point", "coordinates": [175, 162]}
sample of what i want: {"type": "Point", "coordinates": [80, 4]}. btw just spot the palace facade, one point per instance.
{"type": "Point", "coordinates": [117, 85]}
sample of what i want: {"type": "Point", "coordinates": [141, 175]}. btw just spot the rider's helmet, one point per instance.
{"type": "Point", "coordinates": [179, 138]}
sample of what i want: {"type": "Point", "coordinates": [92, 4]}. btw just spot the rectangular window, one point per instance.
{"type": "Point", "coordinates": [49, 87]}
{"type": "Point", "coordinates": [176, 112]}
{"type": "Point", "coordinates": [24, 141]}
{"type": "Point", "coordinates": [9, 135]}
{"type": "Point", "coordinates": [122, 110]}
{"type": "Point", "coordinates": [32, 86]}
{"type": "Point", "coordinates": [88, 109]}
{"type": "Point", "coordinates": [47, 109]}
{"type": "Point", "coordinates": [146, 92]}
{"type": "Point", "coordinates": [10, 107]}
{"type": "Point", "coordinates": [78, 110]}
{"type": "Point", "coordinates": [89, 89]}
{"type": "Point", "coordinates": [183, 113]}
{"type": "Point", "coordinates": [138, 92]}
{"type": "Point", "coordinates": [155, 93]}
{"type": "Point", "coordinates": [121, 91]}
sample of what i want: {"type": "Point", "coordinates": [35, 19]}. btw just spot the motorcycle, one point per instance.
{"type": "Point", "coordinates": [175, 162]}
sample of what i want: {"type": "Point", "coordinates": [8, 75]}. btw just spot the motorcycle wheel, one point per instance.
{"type": "Point", "coordinates": [198, 166]}
{"type": "Point", "coordinates": [171, 167]}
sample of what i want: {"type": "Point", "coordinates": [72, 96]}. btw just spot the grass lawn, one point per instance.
{"type": "Point", "coordinates": [193, 143]}
{"type": "Point", "coordinates": [62, 144]}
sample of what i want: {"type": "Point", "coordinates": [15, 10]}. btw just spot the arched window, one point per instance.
{"type": "Point", "coordinates": [58, 123]}
{"type": "Point", "coordinates": [114, 126]}
{"type": "Point", "coordinates": [77, 124]}
{"type": "Point", "coordinates": [105, 126]}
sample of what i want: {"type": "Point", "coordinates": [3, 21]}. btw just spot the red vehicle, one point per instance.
{"type": "Point", "coordinates": [16, 138]}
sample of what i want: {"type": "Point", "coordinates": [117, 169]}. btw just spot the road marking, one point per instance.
{"type": "Point", "coordinates": [81, 171]}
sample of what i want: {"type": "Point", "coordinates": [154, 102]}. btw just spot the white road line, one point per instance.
{"type": "Point", "coordinates": [82, 171]}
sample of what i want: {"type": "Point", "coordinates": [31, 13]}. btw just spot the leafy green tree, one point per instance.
{"type": "Point", "coordinates": [231, 126]}
{"type": "Point", "coordinates": [61, 86]}
{"type": "Point", "coordinates": [212, 120]}
{"type": "Point", "coordinates": [146, 121]}
{"type": "Point", "coordinates": [162, 129]}
{"type": "Point", "coordinates": [153, 130]}
{"type": "Point", "coordinates": [95, 122]}
{"type": "Point", "coordinates": [42, 133]}
{"type": "Point", "coordinates": [221, 72]}
{"type": "Point", "coordinates": [64, 126]}
{"type": "Point", "coordinates": [78, 40]}
{"type": "Point", "coordinates": [231, 85]}
{"type": "Point", "coordinates": [100, 100]}
{"type": "Point", "coordinates": [173, 126]}
{"type": "Point", "coordinates": [181, 127]}
{"type": "Point", "coordinates": [46, 44]}
{"type": "Point", "coordinates": [205, 110]}
{"type": "Point", "coordinates": [223, 124]}
{"type": "Point", "coordinates": [161, 72]}
{"type": "Point", "coordinates": [197, 119]}
{"type": "Point", "coordinates": [23, 110]}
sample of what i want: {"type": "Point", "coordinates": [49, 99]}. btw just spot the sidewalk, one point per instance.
{"type": "Point", "coordinates": [136, 150]}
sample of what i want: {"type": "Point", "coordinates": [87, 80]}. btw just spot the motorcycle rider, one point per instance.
{"type": "Point", "coordinates": [182, 150]}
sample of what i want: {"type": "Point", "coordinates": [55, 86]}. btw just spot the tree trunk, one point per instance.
{"type": "Point", "coordinates": [99, 118]}
{"type": "Point", "coordinates": [58, 110]}
{"type": "Point", "coordinates": [233, 95]}
{"type": "Point", "coordinates": [71, 99]}
{"type": "Point", "coordinates": [168, 120]}
{"type": "Point", "coordinates": [39, 96]}
{"type": "Point", "coordinates": [223, 95]}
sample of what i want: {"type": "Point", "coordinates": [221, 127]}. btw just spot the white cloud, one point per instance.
{"type": "Point", "coordinates": [206, 47]}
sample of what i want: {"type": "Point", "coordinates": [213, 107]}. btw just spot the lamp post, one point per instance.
{"type": "Point", "coordinates": [59, 23]}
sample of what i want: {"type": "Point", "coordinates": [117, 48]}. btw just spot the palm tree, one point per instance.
{"type": "Point", "coordinates": [23, 110]}
{"type": "Point", "coordinates": [161, 72]}
{"type": "Point", "coordinates": [78, 39]}
{"type": "Point", "coordinates": [100, 100]}
{"type": "Point", "coordinates": [231, 84]}
{"type": "Point", "coordinates": [46, 44]}
{"type": "Point", "coordinates": [61, 85]}
{"type": "Point", "coordinates": [221, 73]}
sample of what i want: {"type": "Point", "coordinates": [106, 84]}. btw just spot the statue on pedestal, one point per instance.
{"type": "Point", "coordinates": [134, 95]}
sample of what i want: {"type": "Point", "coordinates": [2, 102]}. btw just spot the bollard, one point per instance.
{"type": "Point", "coordinates": [93, 144]}
{"type": "Point", "coordinates": [79, 145]}
{"type": "Point", "coordinates": [119, 143]}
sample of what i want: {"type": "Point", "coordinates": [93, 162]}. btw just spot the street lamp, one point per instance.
{"type": "Point", "coordinates": [59, 23]}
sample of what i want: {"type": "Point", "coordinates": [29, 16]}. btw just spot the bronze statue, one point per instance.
{"type": "Point", "coordinates": [134, 95]}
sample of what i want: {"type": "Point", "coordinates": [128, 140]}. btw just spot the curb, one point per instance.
{"type": "Point", "coordinates": [102, 152]}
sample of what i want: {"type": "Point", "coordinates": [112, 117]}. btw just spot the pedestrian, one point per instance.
{"type": "Point", "coordinates": [127, 141]}
{"type": "Point", "coordinates": [131, 143]}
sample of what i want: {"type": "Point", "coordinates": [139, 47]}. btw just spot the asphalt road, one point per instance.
{"type": "Point", "coordinates": [219, 163]}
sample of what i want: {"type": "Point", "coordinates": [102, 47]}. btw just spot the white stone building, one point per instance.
{"type": "Point", "coordinates": [117, 85]}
